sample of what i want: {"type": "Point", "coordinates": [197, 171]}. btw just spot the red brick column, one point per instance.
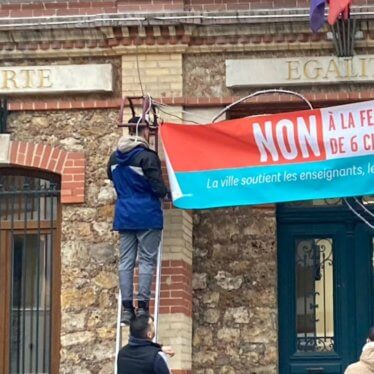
{"type": "Point", "coordinates": [175, 324]}
{"type": "Point", "coordinates": [70, 165]}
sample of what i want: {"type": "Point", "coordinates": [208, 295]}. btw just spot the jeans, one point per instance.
{"type": "Point", "coordinates": [145, 243]}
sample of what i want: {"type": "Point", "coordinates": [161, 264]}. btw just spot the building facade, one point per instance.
{"type": "Point", "coordinates": [262, 289]}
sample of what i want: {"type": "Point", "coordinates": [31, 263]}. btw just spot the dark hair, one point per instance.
{"type": "Point", "coordinates": [132, 130]}
{"type": "Point", "coordinates": [139, 327]}
{"type": "Point", "coordinates": [371, 334]}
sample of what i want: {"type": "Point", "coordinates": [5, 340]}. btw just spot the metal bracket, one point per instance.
{"type": "Point", "coordinates": [148, 108]}
{"type": "Point", "coordinates": [344, 36]}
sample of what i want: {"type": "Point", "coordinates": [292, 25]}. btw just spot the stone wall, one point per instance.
{"type": "Point", "coordinates": [89, 258]}
{"type": "Point", "coordinates": [204, 74]}
{"type": "Point", "coordinates": [88, 246]}
{"type": "Point", "coordinates": [234, 297]}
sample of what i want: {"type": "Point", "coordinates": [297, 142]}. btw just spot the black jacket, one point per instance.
{"type": "Point", "coordinates": [141, 356]}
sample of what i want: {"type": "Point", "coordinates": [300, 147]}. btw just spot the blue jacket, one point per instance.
{"type": "Point", "coordinates": [141, 356]}
{"type": "Point", "coordinates": [137, 179]}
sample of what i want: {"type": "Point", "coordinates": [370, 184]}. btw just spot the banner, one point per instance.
{"type": "Point", "coordinates": [312, 154]}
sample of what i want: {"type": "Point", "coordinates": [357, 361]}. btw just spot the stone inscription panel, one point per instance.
{"type": "Point", "coordinates": [56, 78]}
{"type": "Point", "coordinates": [299, 70]}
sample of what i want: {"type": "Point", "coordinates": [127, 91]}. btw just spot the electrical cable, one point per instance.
{"type": "Point", "coordinates": [262, 92]}
{"type": "Point", "coordinates": [364, 207]}
{"type": "Point", "coordinates": [144, 114]}
{"type": "Point", "coordinates": [137, 67]}
{"type": "Point", "coordinates": [358, 214]}
{"type": "Point", "coordinates": [205, 119]}
{"type": "Point", "coordinates": [137, 63]}
{"type": "Point", "coordinates": [176, 116]}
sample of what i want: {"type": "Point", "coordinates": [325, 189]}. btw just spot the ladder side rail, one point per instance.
{"type": "Point", "coordinates": [158, 287]}
{"type": "Point", "coordinates": [118, 331]}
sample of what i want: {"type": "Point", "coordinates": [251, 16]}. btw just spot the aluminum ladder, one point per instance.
{"type": "Point", "coordinates": [156, 308]}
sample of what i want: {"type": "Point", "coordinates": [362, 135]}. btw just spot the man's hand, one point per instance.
{"type": "Point", "coordinates": [168, 350]}
{"type": "Point", "coordinates": [168, 197]}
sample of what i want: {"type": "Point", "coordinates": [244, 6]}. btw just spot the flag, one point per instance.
{"type": "Point", "coordinates": [337, 7]}
{"type": "Point", "coordinates": [317, 14]}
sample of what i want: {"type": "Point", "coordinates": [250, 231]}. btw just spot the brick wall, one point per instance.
{"type": "Point", "coordinates": [70, 165]}
{"type": "Point", "coordinates": [160, 74]}
{"type": "Point", "coordinates": [65, 8]}
{"type": "Point", "coordinates": [176, 288]}
{"type": "Point", "coordinates": [28, 8]}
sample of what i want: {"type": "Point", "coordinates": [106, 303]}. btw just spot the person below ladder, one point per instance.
{"type": "Point", "coordinates": [141, 355]}
{"type": "Point", "coordinates": [135, 171]}
{"type": "Point", "coordinates": [366, 363]}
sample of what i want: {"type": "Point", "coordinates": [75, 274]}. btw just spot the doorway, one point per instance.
{"type": "Point", "coordinates": [325, 286]}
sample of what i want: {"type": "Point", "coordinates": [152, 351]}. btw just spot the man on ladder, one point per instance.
{"type": "Point", "coordinates": [136, 173]}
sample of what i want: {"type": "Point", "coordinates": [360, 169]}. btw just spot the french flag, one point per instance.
{"type": "Point", "coordinates": [317, 14]}
{"type": "Point", "coordinates": [336, 7]}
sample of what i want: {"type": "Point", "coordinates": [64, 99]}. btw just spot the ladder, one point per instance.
{"type": "Point", "coordinates": [156, 306]}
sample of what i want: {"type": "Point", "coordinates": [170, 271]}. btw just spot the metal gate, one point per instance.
{"type": "Point", "coordinates": [29, 223]}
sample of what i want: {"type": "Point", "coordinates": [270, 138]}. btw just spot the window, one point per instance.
{"type": "Point", "coordinates": [29, 233]}
{"type": "Point", "coordinates": [314, 295]}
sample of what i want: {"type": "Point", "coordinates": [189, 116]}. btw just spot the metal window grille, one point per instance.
{"type": "Point", "coordinates": [315, 300]}
{"type": "Point", "coordinates": [28, 223]}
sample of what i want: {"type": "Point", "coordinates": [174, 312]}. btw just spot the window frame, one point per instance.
{"type": "Point", "coordinates": [24, 227]}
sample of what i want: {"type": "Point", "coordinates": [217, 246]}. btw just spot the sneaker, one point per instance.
{"type": "Point", "coordinates": [127, 317]}
{"type": "Point", "coordinates": [142, 312]}
{"type": "Point", "coordinates": [143, 308]}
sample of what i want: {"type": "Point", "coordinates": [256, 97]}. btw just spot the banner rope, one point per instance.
{"type": "Point", "coordinates": [262, 92]}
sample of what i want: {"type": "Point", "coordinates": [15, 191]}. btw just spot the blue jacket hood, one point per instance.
{"type": "Point", "coordinates": [124, 158]}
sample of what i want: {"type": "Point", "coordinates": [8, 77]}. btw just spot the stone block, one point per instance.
{"type": "Point", "coordinates": [237, 315]}
{"type": "Point", "coordinates": [106, 280]}
{"type": "Point", "coordinates": [228, 334]}
{"type": "Point", "coordinates": [77, 338]}
{"type": "Point", "coordinates": [75, 253]}
{"type": "Point", "coordinates": [227, 281]}
{"type": "Point", "coordinates": [212, 315]}
{"type": "Point", "coordinates": [102, 253]}
{"type": "Point", "coordinates": [4, 148]}
{"type": "Point", "coordinates": [75, 299]}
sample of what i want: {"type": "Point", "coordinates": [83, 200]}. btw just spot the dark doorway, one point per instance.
{"type": "Point", "coordinates": [325, 286]}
